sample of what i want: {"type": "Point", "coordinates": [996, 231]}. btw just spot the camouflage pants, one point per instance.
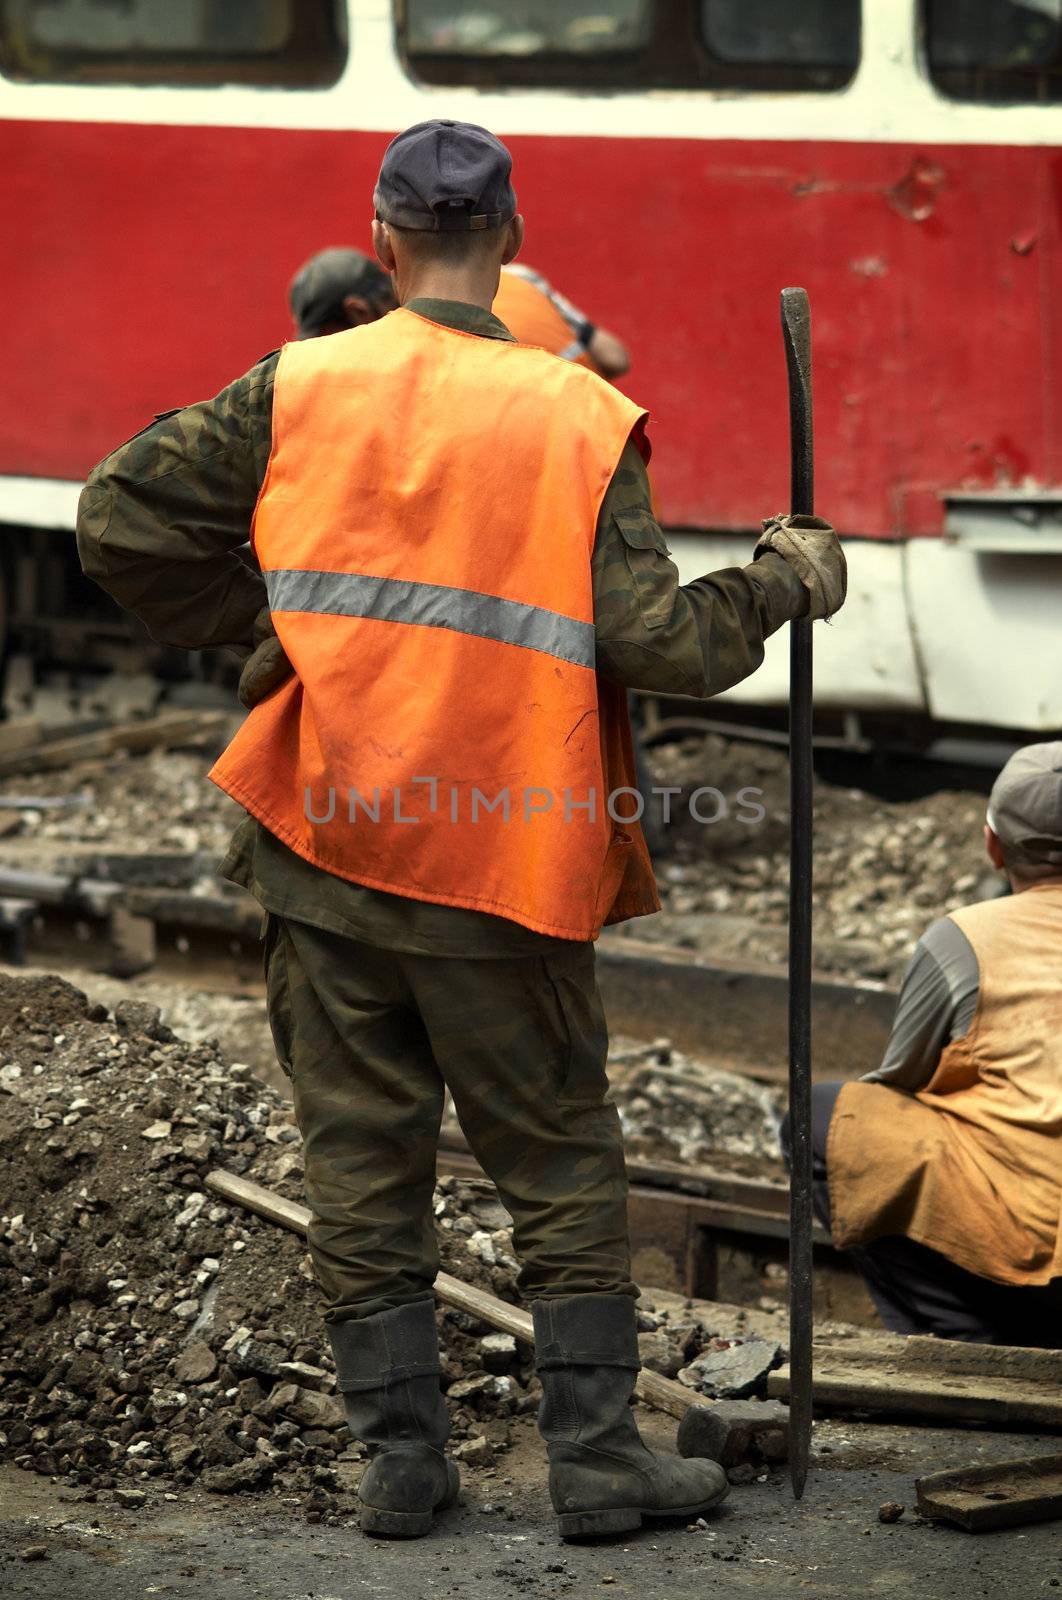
{"type": "Point", "coordinates": [372, 1038]}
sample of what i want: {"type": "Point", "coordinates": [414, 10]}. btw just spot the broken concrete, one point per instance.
{"type": "Point", "coordinates": [734, 1371]}
{"type": "Point", "coordinates": [735, 1431]}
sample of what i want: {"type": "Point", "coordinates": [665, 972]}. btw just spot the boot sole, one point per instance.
{"type": "Point", "coordinates": [395, 1524]}
{"type": "Point", "coordinates": [374, 1520]}
{"type": "Point", "coordinates": [598, 1524]}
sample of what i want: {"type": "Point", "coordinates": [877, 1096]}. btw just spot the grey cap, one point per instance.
{"type": "Point", "coordinates": [445, 177]}
{"type": "Point", "coordinates": [317, 291]}
{"type": "Point", "coordinates": [1025, 806]}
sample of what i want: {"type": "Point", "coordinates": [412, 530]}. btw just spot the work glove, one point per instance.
{"type": "Point", "coordinates": [267, 667]}
{"type": "Point", "coordinates": [814, 552]}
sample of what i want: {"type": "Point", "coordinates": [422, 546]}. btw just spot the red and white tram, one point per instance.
{"type": "Point", "coordinates": [167, 163]}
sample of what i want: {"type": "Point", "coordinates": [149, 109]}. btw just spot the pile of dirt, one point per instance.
{"type": "Point", "coordinates": [884, 870]}
{"type": "Point", "coordinates": [153, 1334]}
{"type": "Point", "coordinates": [157, 1337]}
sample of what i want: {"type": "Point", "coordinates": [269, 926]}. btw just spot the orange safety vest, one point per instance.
{"type": "Point", "coordinates": [532, 318]}
{"type": "Point", "coordinates": [971, 1165]}
{"type": "Point", "coordinates": [425, 531]}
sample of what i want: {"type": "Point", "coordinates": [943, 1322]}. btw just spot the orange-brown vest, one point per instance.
{"type": "Point", "coordinates": [972, 1164]}
{"type": "Point", "coordinates": [425, 531]}
{"type": "Point", "coordinates": [532, 318]}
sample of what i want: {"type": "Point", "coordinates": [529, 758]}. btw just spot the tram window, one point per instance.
{"type": "Point", "coordinates": [995, 50]}
{"type": "Point", "coordinates": [815, 33]}
{"type": "Point", "coordinates": [630, 44]}
{"type": "Point", "coordinates": [526, 28]}
{"type": "Point", "coordinates": [284, 42]}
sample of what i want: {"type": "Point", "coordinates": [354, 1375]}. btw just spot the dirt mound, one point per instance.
{"type": "Point", "coordinates": [39, 1005]}
{"type": "Point", "coordinates": [153, 1334]}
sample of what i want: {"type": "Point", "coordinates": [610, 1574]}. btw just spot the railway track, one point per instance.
{"type": "Point", "coordinates": [134, 923]}
{"type": "Point", "coordinates": [713, 1234]}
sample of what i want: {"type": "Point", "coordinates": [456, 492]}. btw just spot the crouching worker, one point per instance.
{"type": "Point", "coordinates": [941, 1172]}
{"type": "Point", "coordinates": [464, 575]}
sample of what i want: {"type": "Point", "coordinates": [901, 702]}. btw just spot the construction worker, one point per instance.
{"type": "Point", "coordinates": [459, 560]}
{"type": "Point", "coordinates": [535, 313]}
{"type": "Point", "coordinates": [341, 288]}
{"type": "Point", "coordinates": [338, 289]}
{"type": "Point", "coordinates": [941, 1172]}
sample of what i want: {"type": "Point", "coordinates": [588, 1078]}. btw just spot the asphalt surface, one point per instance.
{"type": "Point", "coordinates": [500, 1542]}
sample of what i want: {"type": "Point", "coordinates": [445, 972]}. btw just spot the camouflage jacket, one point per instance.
{"type": "Point", "coordinates": [163, 524]}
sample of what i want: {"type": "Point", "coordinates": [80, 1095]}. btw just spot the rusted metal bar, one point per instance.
{"type": "Point", "coordinates": [796, 328]}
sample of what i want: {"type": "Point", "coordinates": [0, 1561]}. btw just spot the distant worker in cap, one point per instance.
{"type": "Point", "coordinates": [464, 575]}
{"type": "Point", "coordinates": [941, 1172]}
{"type": "Point", "coordinates": [338, 289]}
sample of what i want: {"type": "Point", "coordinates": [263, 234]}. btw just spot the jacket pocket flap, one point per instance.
{"type": "Point", "coordinates": [640, 531]}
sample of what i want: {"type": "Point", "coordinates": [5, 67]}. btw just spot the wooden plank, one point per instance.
{"type": "Point", "coordinates": [180, 908]}
{"type": "Point", "coordinates": [662, 1393]}
{"type": "Point", "coordinates": [262, 1201]}
{"type": "Point", "coordinates": [149, 733]}
{"type": "Point", "coordinates": [952, 1356]}
{"type": "Point", "coordinates": [999, 1384]}
{"type": "Point", "coordinates": [666, 1395]}
{"type": "Point", "coordinates": [868, 1390]}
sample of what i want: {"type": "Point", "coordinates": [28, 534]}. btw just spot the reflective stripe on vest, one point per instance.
{"type": "Point", "coordinates": [426, 529]}
{"type": "Point", "coordinates": [432, 605]}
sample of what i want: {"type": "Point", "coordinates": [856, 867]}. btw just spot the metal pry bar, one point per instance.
{"type": "Point", "coordinates": [796, 330]}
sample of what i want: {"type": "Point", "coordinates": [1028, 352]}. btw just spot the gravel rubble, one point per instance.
{"type": "Point", "coordinates": [157, 1338]}
{"type": "Point", "coordinates": [676, 1107]}
{"type": "Point", "coordinates": [884, 869]}
{"type": "Point", "coordinates": [159, 802]}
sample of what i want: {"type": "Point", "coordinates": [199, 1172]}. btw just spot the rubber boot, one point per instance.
{"type": "Point", "coordinates": [388, 1372]}
{"type": "Point", "coordinates": [602, 1478]}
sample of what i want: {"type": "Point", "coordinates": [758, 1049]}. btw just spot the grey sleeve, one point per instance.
{"type": "Point", "coordinates": [938, 999]}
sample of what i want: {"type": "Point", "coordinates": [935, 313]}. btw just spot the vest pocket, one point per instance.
{"type": "Point", "coordinates": [572, 984]}
{"type": "Point", "coordinates": [278, 992]}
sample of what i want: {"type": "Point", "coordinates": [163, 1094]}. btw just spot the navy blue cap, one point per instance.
{"type": "Point", "coordinates": [445, 177]}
